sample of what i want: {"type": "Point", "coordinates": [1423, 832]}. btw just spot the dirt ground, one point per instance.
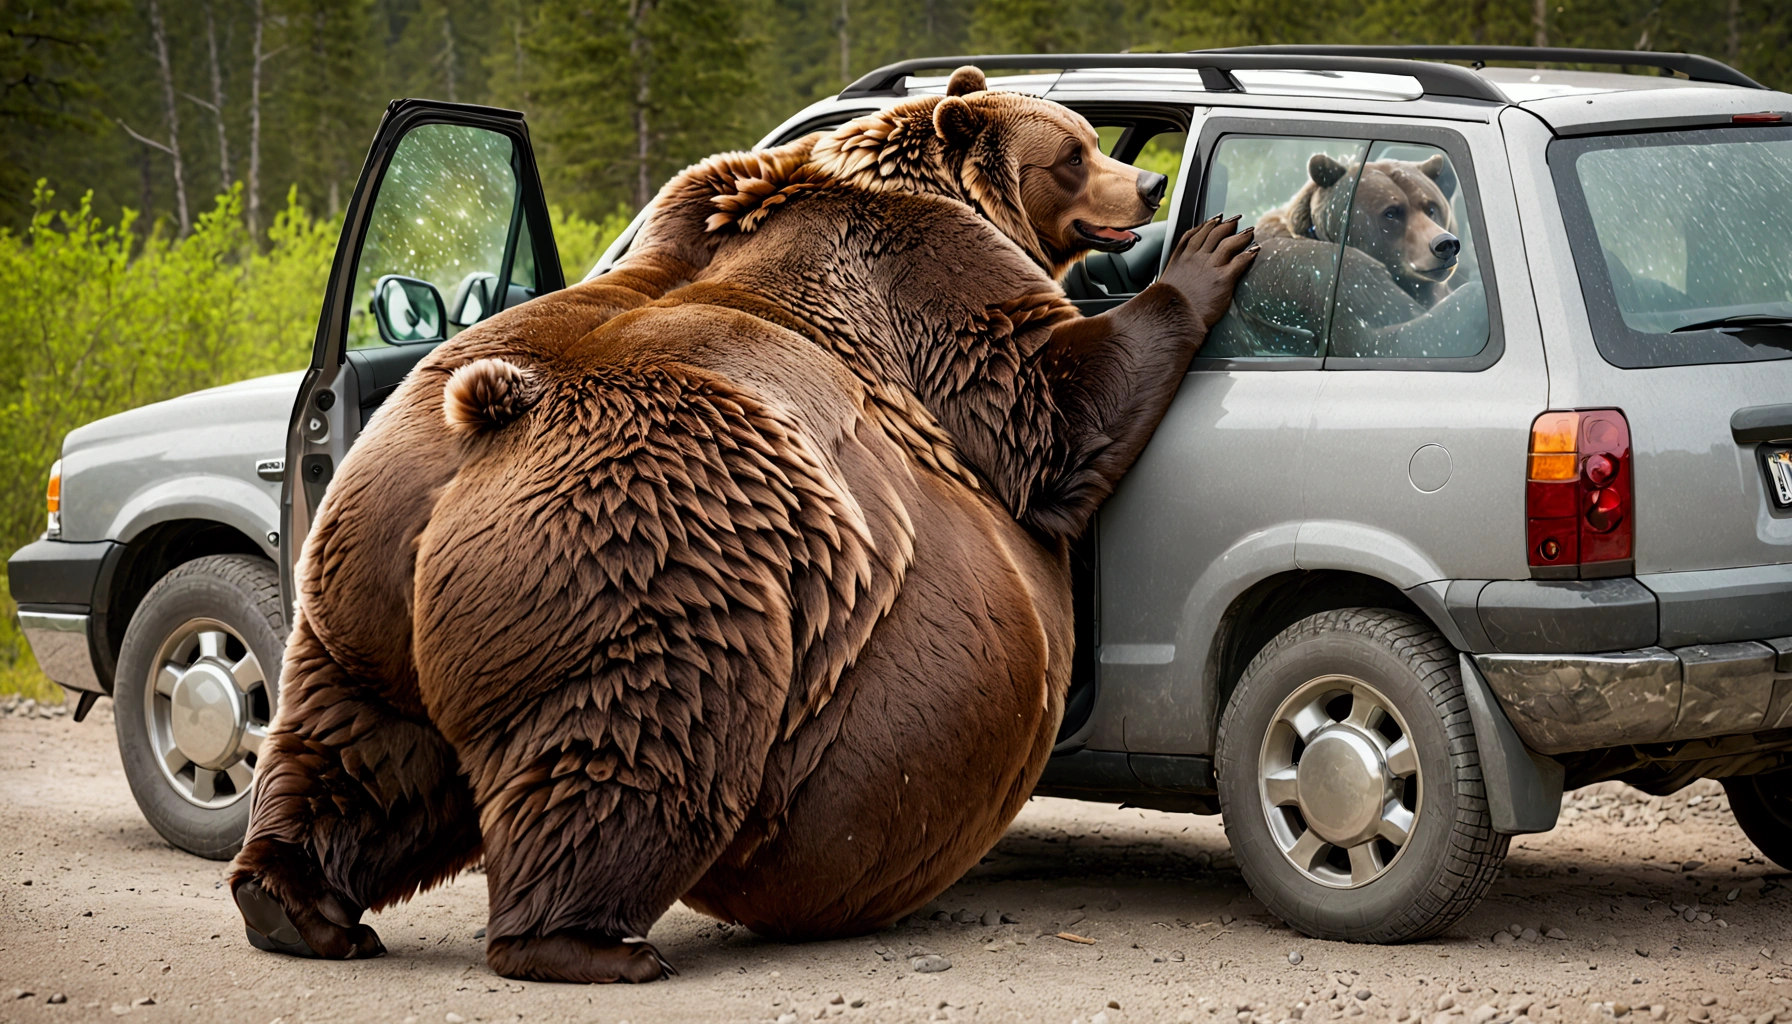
{"type": "Point", "coordinates": [1663, 911]}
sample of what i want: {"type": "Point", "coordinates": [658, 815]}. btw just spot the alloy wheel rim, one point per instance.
{"type": "Point", "coordinates": [1339, 781]}
{"type": "Point", "coordinates": [207, 708]}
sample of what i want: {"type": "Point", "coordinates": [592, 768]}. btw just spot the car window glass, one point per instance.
{"type": "Point", "coordinates": [1296, 192]}
{"type": "Point", "coordinates": [1687, 240]}
{"type": "Point", "coordinates": [1409, 285]}
{"type": "Point", "coordinates": [443, 215]}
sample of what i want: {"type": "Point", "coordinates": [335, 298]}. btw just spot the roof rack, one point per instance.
{"type": "Point", "coordinates": [1215, 66]}
{"type": "Point", "coordinates": [1694, 66]}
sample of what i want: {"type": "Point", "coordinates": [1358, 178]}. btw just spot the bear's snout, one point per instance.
{"type": "Point", "coordinates": [1445, 247]}
{"type": "Point", "coordinates": [1151, 188]}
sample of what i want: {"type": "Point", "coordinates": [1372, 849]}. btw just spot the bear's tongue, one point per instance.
{"type": "Point", "coordinates": [1110, 234]}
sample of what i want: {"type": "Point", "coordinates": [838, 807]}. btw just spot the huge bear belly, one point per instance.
{"type": "Point", "coordinates": [948, 717]}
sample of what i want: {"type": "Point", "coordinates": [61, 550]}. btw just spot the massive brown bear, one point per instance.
{"type": "Point", "coordinates": [739, 574]}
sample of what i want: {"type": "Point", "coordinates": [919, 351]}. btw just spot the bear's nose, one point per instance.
{"type": "Point", "coordinates": [1151, 188]}
{"type": "Point", "coordinates": [1446, 246]}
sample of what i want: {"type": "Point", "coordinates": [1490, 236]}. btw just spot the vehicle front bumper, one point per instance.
{"type": "Point", "coordinates": [1564, 703]}
{"type": "Point", "coordinates": [54, 583]}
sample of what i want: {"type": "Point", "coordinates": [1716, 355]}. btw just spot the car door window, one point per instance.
{"type": "Point", "coordinates": [448, 216]}
{"type": "Point", "coordinates": [1296, 192]}
{"type": "Point", "coordinates": [1410, 283]}
{"type": "Point", "coordinates": [1101, 280]}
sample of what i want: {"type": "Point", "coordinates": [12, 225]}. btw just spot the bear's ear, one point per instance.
{"type": "Point", "coordinates": [1324, 171]}
{"type": "Point", "coordinates": [1439, 170]}
{"type": "Point", "coordinates": [966, 79]}
{"type": "Point", "coordinates": [956, 123]}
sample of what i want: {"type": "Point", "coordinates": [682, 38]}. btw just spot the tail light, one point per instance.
{"type": "Point", "coordinates": [53, 499]}
{"type": "Point", "coordinates": [1579, 504]}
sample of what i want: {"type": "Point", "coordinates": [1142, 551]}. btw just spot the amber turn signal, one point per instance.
{"type": "Point", "coordinates": [53, 499]}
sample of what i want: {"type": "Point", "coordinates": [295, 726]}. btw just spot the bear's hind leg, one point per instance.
{"type": "Point", "coordinates": [357, 806]}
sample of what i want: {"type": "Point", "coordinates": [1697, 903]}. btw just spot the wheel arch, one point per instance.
{"type": "Point", "coordinates": [1276, 602]}
{"type": "Point", "coordinates": [135, 566]}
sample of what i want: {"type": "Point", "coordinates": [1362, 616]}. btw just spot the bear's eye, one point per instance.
{"type": "Point", "coordinates": [1391, 213]}
{"type": "Point", "coordinates": [1431, 211]}
{"type": "Point", "coordinates": [1076, 157]}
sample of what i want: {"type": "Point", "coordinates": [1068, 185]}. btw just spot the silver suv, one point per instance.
{"type": "Point", "coordinates": [1483, 489]}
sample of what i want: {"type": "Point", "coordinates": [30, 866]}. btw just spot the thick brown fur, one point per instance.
{"type": "Point", "coordinates": [741, 575]}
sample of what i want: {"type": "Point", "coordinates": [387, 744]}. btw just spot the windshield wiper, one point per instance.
{"type": "Point", "coordinates": [1739, 321]}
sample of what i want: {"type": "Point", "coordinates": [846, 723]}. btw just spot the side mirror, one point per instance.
{"type": "Point", "coordinates": [408, 311]}
{"type": "Point", "coordinates": [473, 299]}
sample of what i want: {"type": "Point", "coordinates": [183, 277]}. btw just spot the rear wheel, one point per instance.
{"type": "Point", "coordinates": [1762, 805]}
{"type": "Point", "coordinates": [1350, 781]}
{"type": "Point", "coordinates": [197, 684]}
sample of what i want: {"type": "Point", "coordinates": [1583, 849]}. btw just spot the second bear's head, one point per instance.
{"type": "Point", "coordinates": [1032, 167]}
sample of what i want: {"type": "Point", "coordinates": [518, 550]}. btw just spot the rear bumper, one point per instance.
{"type": "Point", "coordinates": [1666, 609]}
{"type": "Point", "coordinates": [1564, 703]}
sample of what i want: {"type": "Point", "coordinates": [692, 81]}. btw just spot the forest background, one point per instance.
{"type": "Point", "coordinates": [173, 171]}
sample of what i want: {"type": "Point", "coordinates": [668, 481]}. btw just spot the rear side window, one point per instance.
{"type": "Point", "coordinates": [1280, 307]}
{"type": "Point", "coordinates": [1369, 257]}
{"type": "Point", "coordinates": [1680, 241]}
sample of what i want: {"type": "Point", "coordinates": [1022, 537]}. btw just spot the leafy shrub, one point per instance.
{"type": "Point", "coordinates": [96, 319]}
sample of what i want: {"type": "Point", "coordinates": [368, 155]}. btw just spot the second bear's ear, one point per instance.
{"type": "Point", "coordinates": [1439, 170]}
{"type": "Point", "coordinates": [955, 122]}
{"type": "Point", "coordinates": [966, 79]}
{"type": "Point", "coordinates": [1324, 171]}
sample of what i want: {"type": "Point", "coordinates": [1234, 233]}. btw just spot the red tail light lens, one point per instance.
{"type": "Point", "coordinates": [1578, 493]}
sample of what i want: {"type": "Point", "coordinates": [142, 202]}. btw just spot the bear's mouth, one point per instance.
{"type": "Point", "coordinates": [1438, 274]}
{"type": "Point", "coordinates": [1104, 238]}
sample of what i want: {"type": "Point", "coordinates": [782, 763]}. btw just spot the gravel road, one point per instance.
{"type": "Point", "coordinates": [1636, 908]}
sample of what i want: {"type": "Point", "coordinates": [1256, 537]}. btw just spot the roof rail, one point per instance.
{"type": "Point", "coordinates": [1694, 66]}
{"type": "Point", "coordinates": [1215, 66]}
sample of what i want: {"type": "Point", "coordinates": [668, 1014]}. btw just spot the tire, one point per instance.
{"type": "Point", "coordinates": [1391, 772]}
{"type": "Point", "coordinates": [1762, 805]}
{"type": "Point", "coordinates": [197, 683]}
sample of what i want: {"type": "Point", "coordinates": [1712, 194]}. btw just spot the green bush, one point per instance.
{"type": "Point", "coordinates": [96, 319]}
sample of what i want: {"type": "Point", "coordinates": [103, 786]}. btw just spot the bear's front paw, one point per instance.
{"type": "Point", "coordinates": [578, 957]}
{"type": "Point", "coordinates": [1206, 265]}
{"type": "Point", "coordinates": [269, 927]}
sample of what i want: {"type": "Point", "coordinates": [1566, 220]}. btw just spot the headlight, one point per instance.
{"type": "Point", "coordinates": [53, 499]}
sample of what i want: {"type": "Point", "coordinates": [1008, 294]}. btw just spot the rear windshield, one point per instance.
{"type": "Point", "coordinates": [1683, 242]}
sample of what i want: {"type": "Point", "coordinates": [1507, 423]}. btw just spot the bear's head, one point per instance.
{"type": "Point", "coordinates": [1032, 167]}
{"type": "Point", "coordinates": [1400, 214]}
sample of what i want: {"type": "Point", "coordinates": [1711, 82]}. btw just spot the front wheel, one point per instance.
{"type": "Point", "coordinates": [1350, 781]}
{"type": "Point", "coordinates": [198, 679]}
{"type": "Point", "coordinates": [1762, 805]}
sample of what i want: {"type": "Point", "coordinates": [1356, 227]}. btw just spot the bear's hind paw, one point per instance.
{"type": "Point", "coordinates": [578, 957]}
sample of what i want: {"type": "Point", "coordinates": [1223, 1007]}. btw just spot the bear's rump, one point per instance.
{"type": "Point", "coordinates": [948, 715]}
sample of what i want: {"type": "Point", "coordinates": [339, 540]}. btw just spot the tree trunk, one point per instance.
{"type": "Point", "coordinates": [448, 56]}
{"type": "Point", "coordinates": [160, 33]}
{"type": "Point", "coordinates": [1733, 43]}
{"type": "Point", "coordinates": [1477, 19]}
{"type": "Point", "coordinates": [845, 46]}
{"type": "Point", "coordinates": [255, 130]}
{"type": "Point", "coordinates": [639, 55]}
{"type": "Point", "coordinates": [1540, 23]}
{"type": "Point", "coordinates": [211, 42]}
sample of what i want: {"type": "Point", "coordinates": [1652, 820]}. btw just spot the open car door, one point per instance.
{"type": "Point", "coordinates": [446, 226]}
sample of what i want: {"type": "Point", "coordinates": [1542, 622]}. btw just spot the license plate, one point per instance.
{"type": "Point", "coordinates": [1779, 475]}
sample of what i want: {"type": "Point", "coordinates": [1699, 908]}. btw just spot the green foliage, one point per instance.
{"type": "Point", "coordinates": [582, 241]}
{"type": "Point", "coordinates": [98, 319]}
{"type": "Point", "coordinates": [630, 91]}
